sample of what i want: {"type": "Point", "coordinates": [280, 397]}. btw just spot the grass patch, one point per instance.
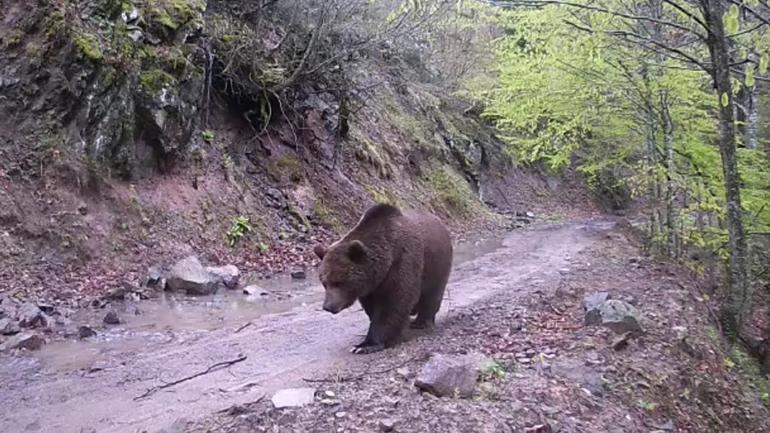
{"type": "Point", "coordinates": [89, 46]}
{"type": "Point", "coordinates": [381, 196]}
{"type": "Point", "coordinates": [288, 166]}
{"type": "Point", "coordinates": [450, 192]}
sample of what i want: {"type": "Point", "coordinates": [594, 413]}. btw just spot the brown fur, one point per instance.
{"type": "Point", "coordinates": [395, 264]}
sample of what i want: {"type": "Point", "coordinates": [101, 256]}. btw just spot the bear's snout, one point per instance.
{"type": "Point", "coordinates": [331, 307]}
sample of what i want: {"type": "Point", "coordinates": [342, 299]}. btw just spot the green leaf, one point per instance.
{"type": "Point", "coordinates": [763, 60]}
{"type": "Point", "coordinates": [731, 20]}
{"type": "Point", "coordinates": [725, 99]}
{"type": "Point", "coordinates": [750, 77]}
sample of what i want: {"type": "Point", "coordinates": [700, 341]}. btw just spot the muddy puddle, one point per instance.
{"type": "Point", "coordinates": [179, 319]}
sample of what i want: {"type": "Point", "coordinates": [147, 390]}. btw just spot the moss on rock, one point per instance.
{"type": "Point", "coordinates": [156, 79]}
{"type": "Point", "coordinates": [89, 45]}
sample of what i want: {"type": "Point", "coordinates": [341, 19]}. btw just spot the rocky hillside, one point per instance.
{"type": "Point", "coordinates": [137, 132]}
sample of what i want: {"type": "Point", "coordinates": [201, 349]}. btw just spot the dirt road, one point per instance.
{"type": "Point", "coordinates": [84, 387]}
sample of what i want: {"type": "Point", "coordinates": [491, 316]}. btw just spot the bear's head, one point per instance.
{"type": "Point", "coordinates": [343, 273]}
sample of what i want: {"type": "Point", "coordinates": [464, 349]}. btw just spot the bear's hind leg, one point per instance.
{"type": "Point", "coordinates": [430, 303]}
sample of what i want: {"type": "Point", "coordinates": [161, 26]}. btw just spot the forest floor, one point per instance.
{"type": "Point", "coordinates": [213, 364]}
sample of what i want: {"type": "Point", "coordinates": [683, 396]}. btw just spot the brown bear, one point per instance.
{"type": "Point", "coordinates": [395, 264]}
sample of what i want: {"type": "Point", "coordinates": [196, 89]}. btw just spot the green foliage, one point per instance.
{"type": "Point", "coordinates": [493, 371]}
{"type": "Point", "coordinates": [89, 45]}
{"type": "Point", "coordinates": [207, 135]}
{"type": "Point", "coordinates": [647, 405]}
{"type": "Point", "coordinates": [241, 225]}
{"type": "Point", "coordinates": [452, 193]}
{"type": "Point", "coordinates": [173, 13]}
{"type": "Point", "coordinates": [156, 79]}
{"type": "Point", "coordinates": [564, 97]}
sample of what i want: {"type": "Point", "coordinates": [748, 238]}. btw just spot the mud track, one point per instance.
{"type": "Point", "coordinates": [99, 393]}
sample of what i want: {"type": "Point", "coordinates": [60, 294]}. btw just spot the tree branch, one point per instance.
{"type": "Point", "coordinates": [535, 3]}
{"type": "Point", "coordinates": [683, 10]}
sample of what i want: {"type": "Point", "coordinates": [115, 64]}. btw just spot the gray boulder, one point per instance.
{"type": "Point", "coordinates": [591, 304]}
{"type": "Point", "coordinates": [112, 318]}
{"type": "Point", "coordinates": [228, 275]}
{"type": "Point", "coordinates": [31, 316]}
{"type": "Point", "coordinates": [26, 340]}
{"type": "Point", "coordinates": [188, 275]}
{"type": "Point", "coordinates": [9, 327]}
{"type": "Point", "coordinates": [451, 375]}
{"type": "Point", "coordinates": [86, 332]}
{"type": "Point", "coordinates": [617, 315]}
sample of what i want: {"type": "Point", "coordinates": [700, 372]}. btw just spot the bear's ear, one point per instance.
{"type": "Point", "coordinates": [320, 251]}
{"type": "Point", "coordinates": [356, 251]}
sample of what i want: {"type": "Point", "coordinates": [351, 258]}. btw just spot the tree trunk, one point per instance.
{"type": "Point", "coordinates": [652, 161]}
{"type": "Point", "coordinates": [736, 306]}
{"type": "Point", "coordinates": [668, 141]}
{"type": "Point", "coordinates": [752, 111]}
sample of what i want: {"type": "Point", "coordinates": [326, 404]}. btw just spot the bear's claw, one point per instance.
{"type": "Point", "coordinates": [365, 350]}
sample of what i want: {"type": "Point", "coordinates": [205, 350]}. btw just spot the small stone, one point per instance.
{"type": "Point", "coordinates": [111, 318]}
{"type": "Point", "coordinates": [341, 414]}
{"type": "Point", "coordinates": [190, 276]}
{"type": "Point", "coordinates": [130, 16]}
{"type": "Point", "coordinates": [591, 304]}
{"type": "Point", "coordinates": [329, 402]}
{"type": "Point", "coordinates": [31, 316]}
{"type": "Point", "coordinates": [9, 327]}
{"type": "Point", "coordinates": [330, 394]}
{"type": "Point", "coordinates": [46, 308]}
{"type": "Point", "coordinates": [135, 35]}
{"type": "Point", "coordinates": [275, 198]}
{"type": "Point", "coordinates": [154, 276]}
{"type": "Point", "coordinates": [299, 274]}
{"type": "Point", "coordinates": [227, 275]}
{"type": "Point", "coordinates": [27, 341]}
{"type": "Point", "coordinates": [254, 290]}
{"type": "Point", "coordinates": [404, 372]}
{"type": "Point", "coordinates": [293, 397]}
{"type": "Point", "coordinates": [387, 425]}
{"type": "Point", "coordinates": [540, 428]}
{"type": "Point", "coordinates": [86, 332]}
{"type": "Point", "coordinates": [448, 375]}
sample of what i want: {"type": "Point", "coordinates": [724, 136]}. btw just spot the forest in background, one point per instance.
{"type": "Point", "coordinates": [660, 103]}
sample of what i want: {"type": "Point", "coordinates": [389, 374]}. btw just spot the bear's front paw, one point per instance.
{"type": "Point", "coordinates": [364, 350]}
{"type": "Point", "coordinates": [421, 324]}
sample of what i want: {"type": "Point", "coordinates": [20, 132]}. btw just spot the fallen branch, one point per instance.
{"type": "Point", "coordinates": [215, 367]}
{"type": "Point", "coordinates": [244, 326]}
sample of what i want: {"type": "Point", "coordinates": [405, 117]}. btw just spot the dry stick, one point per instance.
{"type": "Point", "coordinates": [246, 325]}
{"type": "Point", "coordinates": [215, 367]}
